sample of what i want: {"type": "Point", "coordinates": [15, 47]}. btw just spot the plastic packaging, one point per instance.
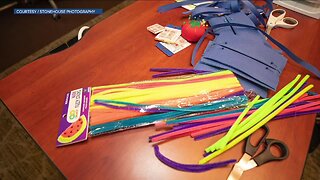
{"type": "Point", "coordinates": [124, 106]}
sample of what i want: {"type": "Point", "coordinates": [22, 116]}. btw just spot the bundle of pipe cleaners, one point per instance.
{"type": "Point", "coordinates": [240, 123]}
{"type": "Point", "coordinates": [123, 106]}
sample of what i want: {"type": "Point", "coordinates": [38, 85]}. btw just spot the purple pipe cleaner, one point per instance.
{"type": "Point", "coordinates": [174, 71]}
{"type": "Point", "coordinates": [190, 167]}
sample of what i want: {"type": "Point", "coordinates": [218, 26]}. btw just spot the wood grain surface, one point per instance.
{"type": "Point", "coordinates": [118, 50]}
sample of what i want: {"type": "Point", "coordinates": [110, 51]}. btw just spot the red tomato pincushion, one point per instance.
{"type": "Point", "coordinates": [193, 30]}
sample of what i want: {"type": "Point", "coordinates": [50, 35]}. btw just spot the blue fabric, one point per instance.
{"type": "Point", "coordinates": [294, 57]}
{"type": "Point", "coordinates": [242, 43]}
{"type": "Point", "coordinates": [254, 19]}
{"type": "Point", "coordinates": [232, 49]}
{"type": "Point", "coordinates": [199, 11]}
{"type": "Point", "coordinates": [241, 47]}
{"type": "Point", "coordinates": [234, 6]}
{"type": "Point", "coordinates": [253, 9]}
{"type": "Point", "coordinates": [267, 8]}
{"type": "Point", "coordinates": [216, 59]}
{"type": "Point", "coordinates": [246, 84]}
{"type": "Point", "coordinates": [242, 65]}
{"type": "Point", "coordinates": [266, 56]}
{"type": "Point", "coordinates": [239, 17]}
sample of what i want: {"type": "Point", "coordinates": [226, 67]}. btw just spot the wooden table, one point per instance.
{"type": "Point", "coordinates": [118, 50]}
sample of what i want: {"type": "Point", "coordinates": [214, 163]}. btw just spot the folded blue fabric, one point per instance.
{"type": "Point", "coordinates": [242, 48]}
{"type": "Point", "coordinates": [242, 65]}
{"type": "Point", "coordinates": [239, 45]}
{"type": "Point", "coordinates": [233, 49]}
{"type": "Point", "coordinates": [266, 55]}
{"type": "Point", "coordinates": [248, 85]}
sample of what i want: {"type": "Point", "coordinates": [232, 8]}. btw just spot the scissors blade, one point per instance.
{"type": "Point", "coordinates": [237, 169]}
{"type": "Point", "coordinates": [268, 30]}
{"type": "Point", "coordinates": [240, 167]}
{"type": "Point", "coordinates": [236, 172]}
{"type": "Point", "coordinates": [249, 165]}
{"type": "Point", "coordinates": [245, 158]}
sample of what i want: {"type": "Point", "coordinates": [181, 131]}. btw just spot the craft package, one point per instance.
{"type": "Point", "coordinates": [123, 106]}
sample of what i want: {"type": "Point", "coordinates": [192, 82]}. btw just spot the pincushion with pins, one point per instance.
{"type": "Point", "coordinates": [193, 30]}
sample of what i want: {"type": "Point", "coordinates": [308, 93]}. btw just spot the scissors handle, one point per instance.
{"type": "Point", "coordinates": [277, 19]}
{"type": "Point", "coordinates": [275, 16]}
{"type": "Point", "coordinates": [287, 22]}
{"type": "Point", "coordinates": [251, 149]}
{"type": "Point", "coordinates": [267, 156]}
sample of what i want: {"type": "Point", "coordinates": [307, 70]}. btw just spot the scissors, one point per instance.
{"type": "Point", "coordinates": [250, 160]}
{"type": "Point", "coordinates": [277, 19]}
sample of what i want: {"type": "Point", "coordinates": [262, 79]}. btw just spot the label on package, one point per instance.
{"type": "Point", "coordinates": [75, 117]}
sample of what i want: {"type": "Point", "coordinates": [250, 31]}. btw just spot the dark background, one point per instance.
{"type": "Point", "coordinates": [22, 35]}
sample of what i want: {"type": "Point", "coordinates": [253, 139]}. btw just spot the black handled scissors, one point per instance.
{"type": "Point", "coordinates": [250, 159]}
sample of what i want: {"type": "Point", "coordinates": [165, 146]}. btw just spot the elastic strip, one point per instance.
{"type": "Point", "coordinates": [195, 50]}
{"type": "Point", "coordinates": [254, 10]}
{"type": "Point", "coordinates": [199, 11]}
{"type": "Point", "coordinates": [234, 6]}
